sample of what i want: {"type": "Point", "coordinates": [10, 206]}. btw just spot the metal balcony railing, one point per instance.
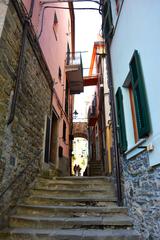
{"type": "Point", "coordinates": [92, 112]}
{"type": "Point", "coordinates": [74, 59]}
{"type": "Point", "coordinates": [74, 71]}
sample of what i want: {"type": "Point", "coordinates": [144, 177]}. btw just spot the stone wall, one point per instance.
{"type": "Point", "coordinates": [142, 195]}
{"type": "Point", "coordinates": [22, 141]}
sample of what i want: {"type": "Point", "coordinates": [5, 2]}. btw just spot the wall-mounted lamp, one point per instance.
{"type": "Point", "coordinates": [75, 114]}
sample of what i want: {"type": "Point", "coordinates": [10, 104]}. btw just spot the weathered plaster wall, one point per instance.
{"type": "Point", "coordinates": [132, 32]}
{"type": "Point", "coordinates": [21, 142]}
{"type": "Point", "coordinates": [142, 195]}
{"type": "Point", "coordinates": [53, 39]}
{"type": "Point", "coordinates": [55, 54]}
{"type": "Point", "coordinates": [57, 36]}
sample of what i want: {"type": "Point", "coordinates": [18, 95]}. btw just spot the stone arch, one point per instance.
{"type": "Point", "coordinates": [81, 135]}
{"type": "Point", "coordinates": [80, 129]}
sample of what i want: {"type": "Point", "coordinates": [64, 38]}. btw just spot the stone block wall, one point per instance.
{"type": "Point", "coordinates": [142, 195]}
{"type": "Point", "coordinates": [22, 141]}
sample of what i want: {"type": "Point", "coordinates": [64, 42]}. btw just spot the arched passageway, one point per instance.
{"type": "Point", "coordinates": [80, 129]}
{"type": "Point", "coordinates": [80, 155]}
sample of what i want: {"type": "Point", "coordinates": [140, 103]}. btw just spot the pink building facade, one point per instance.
{"type": "Point", "coordinates": [36, 94]}
{"type": "Point", "coordinates": [54, 27]}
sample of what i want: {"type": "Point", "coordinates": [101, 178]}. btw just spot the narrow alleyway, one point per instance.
{"type": "Point", "coordinates": [72, 69]}
{"type": "Point", "coordinates": [70, 208]}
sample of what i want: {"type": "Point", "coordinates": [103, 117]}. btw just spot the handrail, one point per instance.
{"type": "Point", "coordinates": [16, 178]}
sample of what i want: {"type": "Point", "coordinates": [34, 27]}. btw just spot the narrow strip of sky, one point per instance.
{"type": "Point", "coordinates": [88, 26]}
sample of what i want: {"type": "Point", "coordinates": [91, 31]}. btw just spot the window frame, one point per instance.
{"type": "Point", "coordinates": [121, 121]}
{"type": "Point", "coordinates": [140, 97]}
{"type": "Point", "coordinates": [64, 131]}
{"type": "Point", "coordinates": [134, 120]}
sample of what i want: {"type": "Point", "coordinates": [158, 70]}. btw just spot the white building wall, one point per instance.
{"type": "Point", "coordinates": [138, 28]}
{"type": "Point", "coordinates": [106, 94]}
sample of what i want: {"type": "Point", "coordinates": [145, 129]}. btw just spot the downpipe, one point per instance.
{"type": "Point", "coordinates": [114, 125]}
{"type": "Point", "coordinates": [20, 63]}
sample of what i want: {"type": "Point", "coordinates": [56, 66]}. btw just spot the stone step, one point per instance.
{"type": "Point", "coordinates": [69, 183]}
{"type": "Point", "coordinates": [52, 185]}
{"type": "Point", "coordinates": [70, 222]}
{"type": "Point", "coordinates": [69, 208]}
{"type": "Point", "coordinates": [96, 169]}
{"type": "Point", "coordinates": [96, 166]}
{"type": "Point", "coordinates": [45, 210]}
{"type": "Point", "coordinates": [85, 179]}
{"type": "Point", "coordinates": [72, 192]}
{"type": "Point", "coordinates": [69, 234]}
{"type": "Point", "coordinates": [74, 201]}
{"type": "Point", "coordinates": [76, 180]}
{"type": "Point", "coordinates": [95, 172]}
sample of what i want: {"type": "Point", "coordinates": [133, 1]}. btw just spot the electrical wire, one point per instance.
{"type": "Point", "coordinates": [100, 3]}
{"type": "Point", "coordinates": [56, 7]}
{"type": "Point", "coordinates": [72, 1]}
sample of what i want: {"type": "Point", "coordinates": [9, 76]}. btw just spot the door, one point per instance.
{"type": "Point", "coordinates": [47, 140]}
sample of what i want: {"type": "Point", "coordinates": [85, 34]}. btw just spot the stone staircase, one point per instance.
{"type": "Point", "coordinates": [95, 168]}
{"type": "Point", "coordinates": [70, 208]}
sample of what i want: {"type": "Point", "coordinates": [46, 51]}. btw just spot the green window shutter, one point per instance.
{"type": "Point", "coordinates": [121, 121]}
{"type": "Point", "coordinates": [140, 99]}
{"type": "Point", "coordinates": [107, 22]}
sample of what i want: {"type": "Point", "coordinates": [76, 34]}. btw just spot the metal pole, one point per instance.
{"type": "Point", "coordinates": [114, 125]}
{"type": "Point", "coordinates": [20, 63]}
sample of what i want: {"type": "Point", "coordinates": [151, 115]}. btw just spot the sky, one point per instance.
{"type": "Point", "coordinates": [88, 27]}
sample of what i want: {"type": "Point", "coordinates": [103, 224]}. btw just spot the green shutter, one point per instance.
{"type": "Point", "coordinates": [121, 121]}
{"type": "Point", "coordinates": [140, 99]}
{"type": "Point", "coordinates": [107, 23]}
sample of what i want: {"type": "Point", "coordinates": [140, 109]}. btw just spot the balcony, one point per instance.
{"type": "Point", "coordinates": [92, 113]}
{"type": "Point", "coordinates": [90, 80]}
{"type": "Point", "coordinates": [74, 72]}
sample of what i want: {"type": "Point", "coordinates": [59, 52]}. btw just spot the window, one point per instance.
{"type": "Point", "coordinates": [107, 25]}
{"type": "Point", "coordinates": [59, 74]}
{"type": "Point", "coordinates": [47, 140]}
{"type": "Point", "coordinates": [64, 131]}
{"type": "Point", "coordinates": [139, 96]}
{"type": "Point", "coordinates": [135, 129]}
{"type": "Point", "coordinates": [60, 151]}
{"type": "Point", "coordinates": [66, 98]}
{"type": "Point", "coordinates": [118, 5]}
{"type": "Point", "coordinates": [121, 121]}
{"type": "Point", "coordinates": [138, 99]}
{"type": "Point", "coordinates": [55, 19]}
{"type": "Point", "coordinates": [68, 54]}
{"type": "Point", "coordinates": [55, 23]}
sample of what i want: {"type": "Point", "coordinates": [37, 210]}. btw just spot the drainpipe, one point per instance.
{"type": "Point", "coordinates": [114, 124]}
{"type": "Point", "coordinates": [20, 63]}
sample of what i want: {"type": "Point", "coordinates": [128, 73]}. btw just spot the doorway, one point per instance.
{"type": "Point", "coordinates": [80, 155]}
{"type": "Point", "coordinates": [54, 138]}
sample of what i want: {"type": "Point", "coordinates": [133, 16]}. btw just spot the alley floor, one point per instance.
{"type": "Point", "coordinates": [70, 208]}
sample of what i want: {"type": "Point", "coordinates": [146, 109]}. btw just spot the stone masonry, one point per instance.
{"type": "Point", "coordinates": [21, 142]}
{"type": "Point", "coordinates": [142, 195]}
{"type": "Point", "coordinates": [69, 208]}
{"type": "Point", "coordinates": [80, 129]}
